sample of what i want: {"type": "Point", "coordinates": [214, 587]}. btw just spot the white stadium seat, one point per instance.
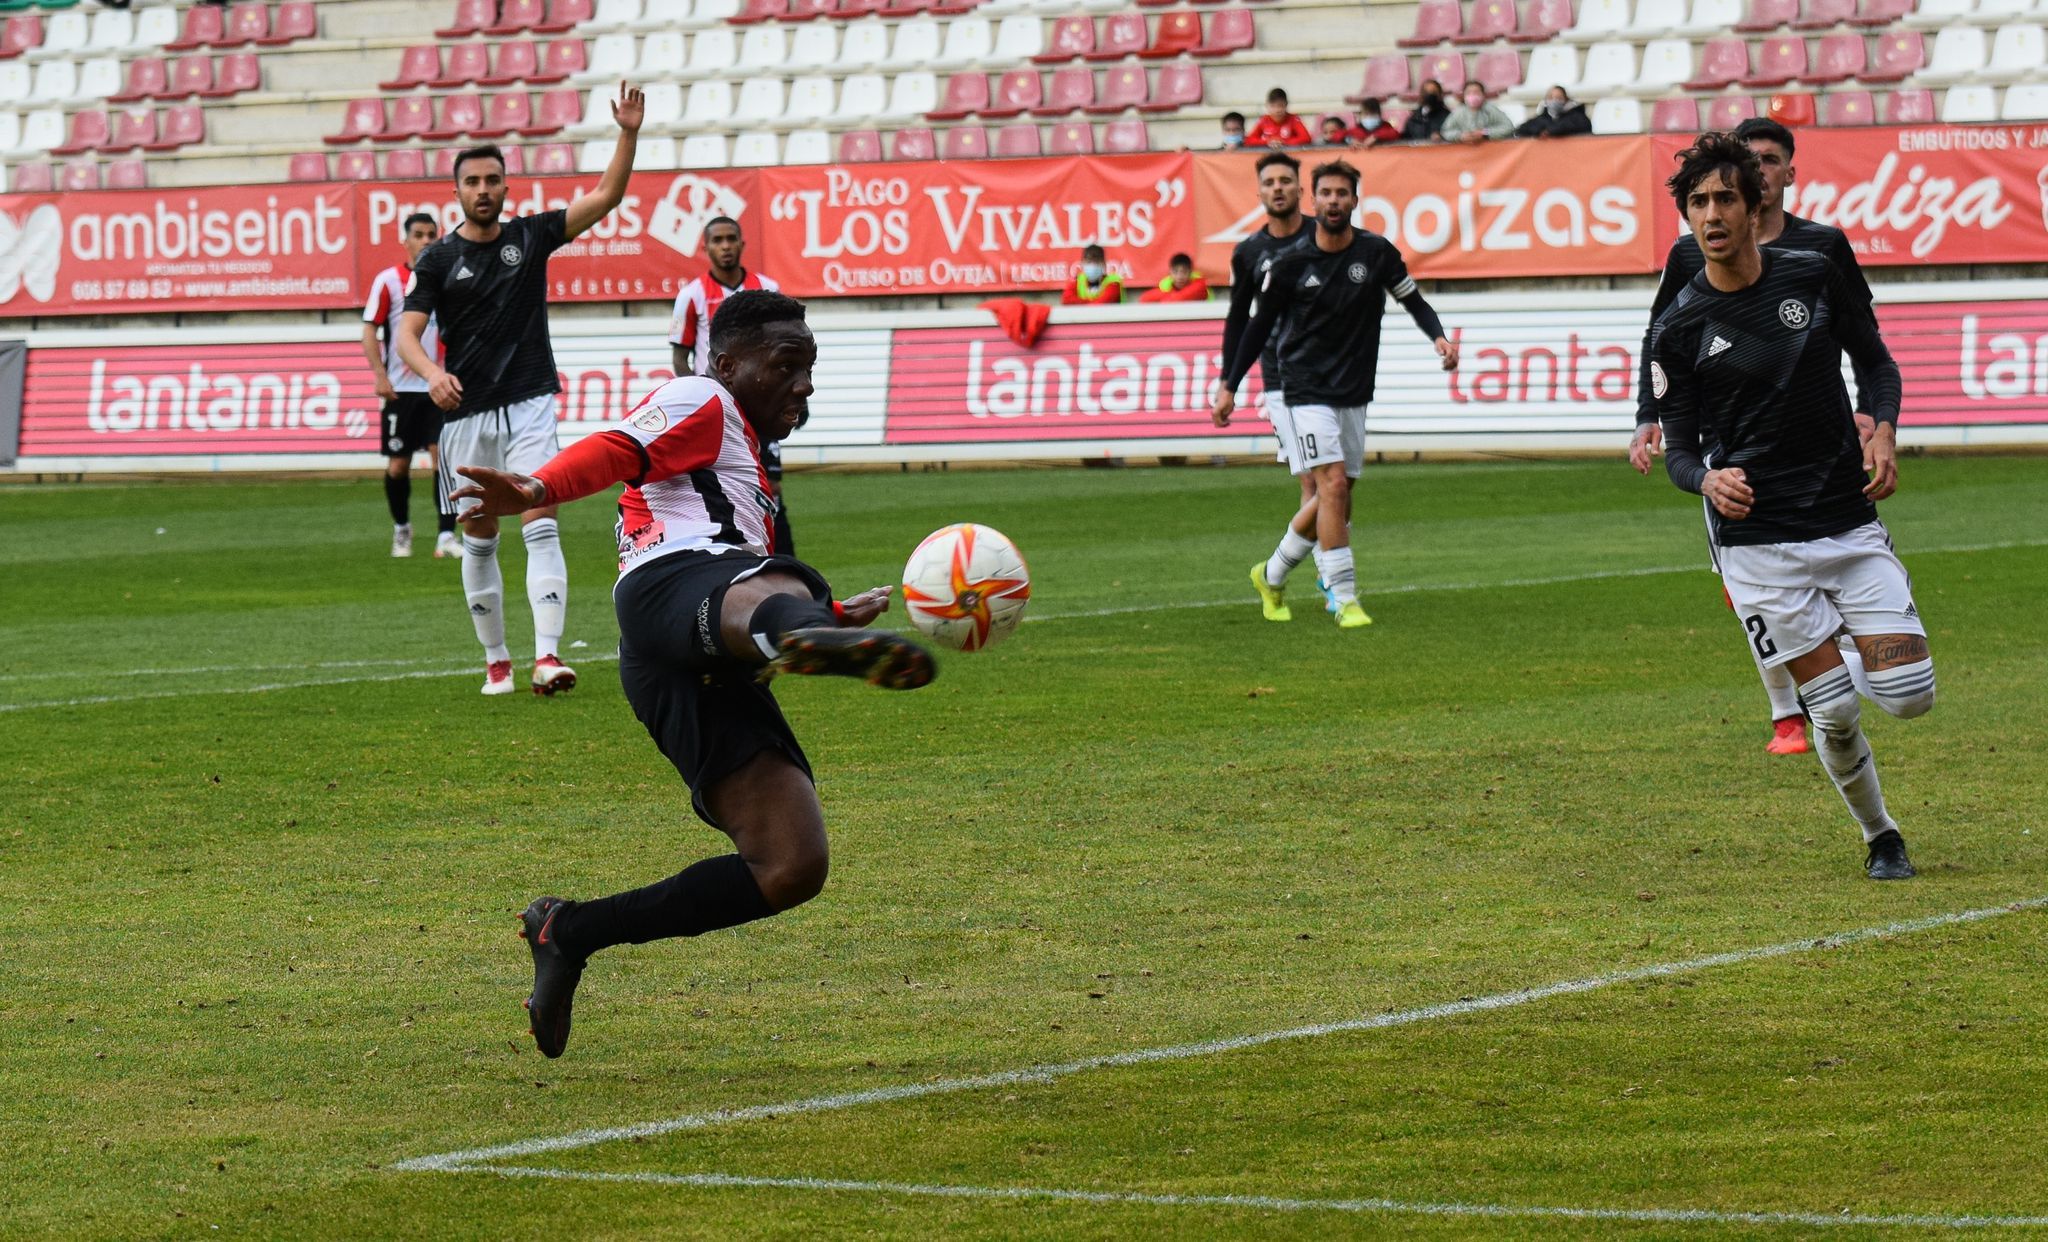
{"type": "Point", "coordinates": [56, 82]}
{"type": "Point", "coordinates": [664, 104]}
{"type": "Point", "coordinates": [663, 15]}
{"type": "Point", "coordinates": [861, 96]}
{"type": "Point", "coordinates": [597, 114]}
{"type": "Point", "coordinates": [816, 47]}
{"type": "Point", "coordinates": [112, 30]}
{"type": "Point", "coordinates": [1597, 20]}
{"type": "Point", "coordinates": [912, 95]}
{"type": "Point", "coordinates": [657, 154]}
{"type": "Point", "coordinates": [811, 99]}
{"type": "Point", "coordinates": [710, 103]}
{"type": "Point", "coordinates": [612, 15]}
{"type": "Point", "coordinates": [1999, 12]}
{"type": "Point", "coordinates": [1959, 52]}
{"type": "Point", "coordinates": [15, 82]}
{"type": "Point", "coordinates": [1515, 112]}
{"type": "Point", "coordinates": [10, 132]}
{"type": "Point", "coordinates": [866, 45]}
{"type": "Point", "coordinates": [808, 146]}
{"type": "Point", "coordinates": [2027, 102]}
{"type": "Point", "coordinates": [969, 40]}
{"type": "Point", "coordinates": [98, 79]}
{"type": "Point", "coordinates": [663, 55]}
{"type": "Point", "coordinates": [1655, 18]}
{"type": "Point", "coordinates": [596, 155]}
{"type": "Point", "coordinates": [712, 53]}
{"type": "Point", "coordinates": [1969, 105]}
{"type": "Point", "coordinates": [1550, 64]}
{"type": "Point", "coordinates": [1666, 63]}
{"type": "Point", "coordinates": [760, 102]}
{"type": "Point", "coordinates": [154, 27]}
{"type": "Point", "coordinates": [763, 50]}
{"type": "Point", "coordinates": [2018, 52]}
{"type": "Point", "coordinates": [65, 33]}
{"type": "Point", "coordinates": [1018, 39]}
{"type": "Point", "coordinates": [704, 151]}
{"type": "Point", "coordinates": [1618, 116]}
{"type": "Point", "coordinates": [711, 12]}
{"type": "Point", "coordinates": [1711, 17]}
{"type": "Point", "coordinates": [612, 58]}
{"type": "Point", "coordinates": [1610, 67]}
{"type": "Point", "coordinates": [1929, 14]}
{"type": "Point", "coordinates": [42, 129]}
{"type": "Point", "coordinates": [756, 151]}
{"type": "Point", "coordinates": [916, 44]}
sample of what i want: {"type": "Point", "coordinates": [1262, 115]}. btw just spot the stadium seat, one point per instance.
{"type": "Point", "coordinates": [90, 131]}
{"type": "Point", "coordinates": [659, 153]}
{"type": "Point", "coordinates": [1839, 58]}
{"type": "Point", "coordinates": [1126, 137]}
{"type": "Point", "coordinates": [294, 20]}
{"type": "Point", "coordinates": [1847, 108]}
{"type": "Point", "coordinates": [966, 94]}
{"type": "Point", "coordinates": [814, 50]}
{"type": "Point", "coordinates": [37, 178]}
{"type": "Point", "coordinates": [1179, 85]}
{"type": "Point", "coordinates": [1122, 87]}
{"type": "Point", "coordinates": [1959, 53]}
{"type": "Point", "coordinates": [556, 110]}
{"type": "Point", "coordinates": [1019, 91]}
{"type": "Point", "coordinates": [560, 61]}
{"type": "Point", "coordinates": [761, 101]}
{"type": "Point", "coordinates": [154, 27]}
{"type": "Point", "coordinates": [133, 128]}
{"type": "Point", "coordinates": [65, 34]}
{"type": "Point", "coordinates": [1542, 21]}
{"type": "Point", "coordinates": [1436, 21]}
{"type": "Point", "coordinates": [756, 150]}
{"type": "Point", "coordinates": [1933, 14]}
{"type": "Point", "coordinates": [2002, 12]}
{"type": "Point", "coordinates": [1653, 19]}
{"type": "Point", "coordinates": [510, 112]}
{"type": "Point", "coordinates": [1230, 30]}
{"type": "Point", "coordinates": [1018, 39]}
{"type": "Point", "coordinates": [807, 146]}
{"type": "Point", "coordinates": [1791, 111]}
{"type": "Point", "coordinates": [762, 50]}
{"type": "Point", "coordinates": [1913, 107]}
{"type": "Point", "coordinates": [2027, 101]}
{"type": "Point", "coordinates": [42, 129]}
{"type": "Point", "coordinates": [97, 79]}
{"type": "Point", "coordinates": [1071, 90]}
{"type": "Point", "coordinates": [593, 156]}
{"type": "Point", "coordinates": [517, 59]}
{"type": "Point", "coordinates": [564, 16]}
{"type": "Point", "coordinates": [917, 8]}
{"type": "Point", "coordinates": [1765, 15]}
{"type": "Point", "coordinates": [663, 55]}
{"type": "Point", "coordinates": [1969, 105]}
{"type": "Point", "coordinates": [1122, 34]}
{"type": "Point", "coordinates": [363, 119]}
{"type": "Point", "coordinates": [1711, 18]}
{"type": "Point", "coordinates": [1779, 60]}
{"type": "Point", "coordinates": [181, 126]}
{"type": "Point", "coordinates": [1013, 141]}
{"type": "Point", "coordinates": [2018, 52]}
{"type": "Point", "coordinates": [863, 95]}
{"type": "Point", "coordinates": [1723, 62]}
{"type": "Point", "coordinates": [413, 117]}
{"type": "Point", "coordinates": [1675, 116]}
{"type": "Point", "coordinates": [1821, 14]}
{"type": "Point", "coordinates": [515, 16]}
{"type": "Point", "coordinates": [1386, 77]}
{"type": "Point", "coordinates": [356, 166]}
{"type": "Point", "coordinates": [56, 81]}
{"type": "Point", "coordinates": [807, 10]}
{"type": "Point", "coordinates": [112, 30]}
{"type": "Point", "coordinates": [709, 104]}
{"type": "Point", "coordinates": [1448, 68]}
{"type": "Point", "coordinates": [848, 10]}
{"type": "Point", "coordinates": [1491, 19]}
{"type": "Point", "coordinates": [78, 175]}
{"type": "Point", "coordinates": [1875, 13]}
{"type": "Point", "coordinates": [860, 146]}
{"type": "Point", "coordinates": [964, 142]}
{"type": "Point", "coordinates": [420, 65]}
{"type": "Point", "coordinates": [1667, 63]}
{"type": "Point", "coordinates": [15, 82]}
{"type": "Point", "coordinates": [754, 11]}
{"type": "Point", "coordinates": [866, 45]}
{"type": "Point", "coordinates": [1072, 138]}
{"type": "Point", "coordinates": [969, 41]}
{"type": "Point", "coordinates": [1610, 67]}
{"type": "Point", "coordinates": [405, 164]}
{"type": "Point", "coordinates": [1178, 34]}
{"type": "Point", "coordinates": [1553, 64]}
{"type": "Point", "coordinates": [1598, 20]}
{"type": "Point", "coordinates": [812, 100]}
{"type": "Point", "coordinates": [237, 72]}
{"type": "Point", "coordinates": [247, 22]}
{"type": "Point", "coordinates": [147, 79]}
{"type": "Point", "coordinates": [190, 75]}
{"type": "Point", "coordinates": [611, 16]}
{"type": "Point", "coordinates": [308, 166]}
{"type": "Point", "coordinates": [916, 143]}
{"type": "Point", "coordinates": [1727, 111]}
{"type": "Point", "coordinates": [911, 95]}
{"type": "Point", "coordinates": [1617, 116]}
{"type": "Point", "coordinates": [916, 44]}
{"type": "Point", "coordinates": [471, 16]}
{"type": "Point", "coordinates": [22, 32]}
{"type": "Point", "coordinates": [1072, 38]}
{"type": "Point", "coordinates": [663, 102]}
{"type": "Point", "coordinates": [611, 57]}
{"type": "Point", "coordinates": [461, 114]}
{"type": "Point", "coordinates": [467, 63]}
{"type": "Point", "coordinates": [703, 12]}
{"type": "Point", "coordinates": [1497, 69]}
{"type": "Point", "coordinates": [1899, 55]}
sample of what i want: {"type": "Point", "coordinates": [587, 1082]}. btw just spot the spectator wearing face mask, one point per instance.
{"type": "Point", "coordinates": [1425, 123]}
{"type": "Point", "coordinates": [1371, 128]}
{"type": "Point", "coordinates": [1278, 127]}
{"type": "Point", "coordinates": [1561, 116]}
{"type": "Point", "coordinates": [1095, 285]}
{"type": "Point", "coordinates": [1233, 130]}
{"type": "Point", "coordinates": [1478, 120]}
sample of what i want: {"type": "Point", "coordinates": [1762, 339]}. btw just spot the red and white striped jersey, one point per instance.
{"type": "Point", "coordinates": [387, 300]}
{"type": "Point", "coordinates": [701, 487]}
{"type": "Point", "coordinates": [697, 303]}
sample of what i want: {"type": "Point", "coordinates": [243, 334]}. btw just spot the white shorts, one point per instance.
{"type": "Point", "coordinates": [518, 438]}
{"type": "Point", "coordinates": [1323, 436]}
{"type": "Point", "coordinates": [1283, 428]}
{"type": "Point", "coordinates": [1792, 597]}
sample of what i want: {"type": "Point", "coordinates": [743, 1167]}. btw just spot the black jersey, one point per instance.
{"type": "Point", "coordinates": [1753, 379]}
{"type": "Point", "coordinates": [1249, 263]}
{"type": "Point", "coordinates": [491, 301]}
{"type": "Point", "coordinates": [1685, 262]}
{"type": "Point", "coordinates": [1327, 306]}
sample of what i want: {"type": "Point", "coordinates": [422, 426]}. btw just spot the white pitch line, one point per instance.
{"type": "Point", "coordinates": [1270, 1203]}
{"type": "Point", "coordinates": [91, 700]}
{"type": "Point", "coordinates": [464, 1161]}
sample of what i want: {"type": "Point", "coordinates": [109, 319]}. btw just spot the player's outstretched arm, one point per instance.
{"type": "Point", "coordinates": [629, 109]}
{"type": "Point", "coordinates": [497, 493]}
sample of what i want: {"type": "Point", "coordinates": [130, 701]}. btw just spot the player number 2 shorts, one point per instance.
{"type": "Point", "coordinates": [1792, 597]}
{"type": "Point", "coordinates": [519, 438]}
{"type": "Point", "coordinates": [1325, 435]}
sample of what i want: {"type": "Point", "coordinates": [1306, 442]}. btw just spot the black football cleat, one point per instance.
{"type": "Point", "coordinates": [1887, 859]}
{"type": "Point", "coordinates": [877, 657]}
{"type": "Point", "coordinates": [555, 975]}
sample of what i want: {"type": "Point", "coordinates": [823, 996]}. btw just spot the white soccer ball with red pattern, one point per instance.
{"type": "Point", "coordinates": [965, 587]}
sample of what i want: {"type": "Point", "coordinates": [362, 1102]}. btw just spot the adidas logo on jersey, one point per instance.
{"type": "Point", "coordinates": [1310, 282]}
{"type": "Point", "coordinates": [1721, 345]}
{"type": "Point", "coordinates": [462, 272]}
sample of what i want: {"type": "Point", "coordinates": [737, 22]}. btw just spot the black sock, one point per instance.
{"type": "Point", "coordinates": [779, 614]}
{"type": "Point", "coordinates": [447, 523]}
{"type": "Point", "coordinates": [715, 893]}
{"type": "Point", "coordinates": [398, 494]}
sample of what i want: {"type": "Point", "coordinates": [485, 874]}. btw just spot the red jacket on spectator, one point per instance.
{"type": "Point", "coordinates": [1288, 131]}
{"type": "Point", "coordinates": [1380, 132]}
{"type": "Point", "coordinates": [1196, 290]}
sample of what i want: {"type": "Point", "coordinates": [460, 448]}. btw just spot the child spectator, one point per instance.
{"type": "Point", "coordinates": [1427, 121]}
{"type": "Point", "coordinates": [1182, 284]}
{"type": "Point", "coordinates": [1278, 127]}
{"type": "Point", "coordinates": [1478, 120]}
{"type": "Point", "coordinates": [1233, 130]}
{"type": "Point", "coordinates": [1096, 285]}
{"type": "Point", "coordinates": [1371, 128]}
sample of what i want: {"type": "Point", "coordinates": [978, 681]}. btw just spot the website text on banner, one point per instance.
{"type": "Point", "coordinates": [1921, 194]}
{"type": "Point", "coordinates": [1499, 210]}
{"type": "Point", "coordinates": [996, 225]}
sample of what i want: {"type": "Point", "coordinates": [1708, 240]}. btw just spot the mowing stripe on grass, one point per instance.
{"type": "Point", "coordinates": [469, 1160]}
{"type": "Point", "coordinates": [1269, 1203]}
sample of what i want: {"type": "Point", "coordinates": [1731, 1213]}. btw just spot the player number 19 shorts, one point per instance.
{"type": "Point", "coordinates": [1325, 435]}
{"type": "Point", "coordinates": [1792, 597]}
{"type": "Point", "coordinates": [519, 438]}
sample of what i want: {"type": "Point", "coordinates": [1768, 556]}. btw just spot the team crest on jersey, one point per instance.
{"type": "Point", "coordinates": [1793, 313]}
{"type": "Point", "coordinates": [653, 421]}
{"type": "Point", "coordinates": [1357, 273]}
{"type": "Point", "coordinates": [1658, 384]}
{"type": "Point", "coordinates": [510, 256]}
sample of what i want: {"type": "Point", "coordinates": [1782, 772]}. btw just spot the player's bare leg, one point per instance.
{"type": "Point", "coordinates": [773, 620]}
{"type": "Point", "coordinates": [1901, 677]}
{"type": "Point", "coordinates": [1333, 531]}
{"type": "Point", "coordinates": [547, 592]}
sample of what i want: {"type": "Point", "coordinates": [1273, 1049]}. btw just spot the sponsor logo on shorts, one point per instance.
{"type": "Point", "coordinates": [510, 255]}
{"type": "Point", "coordinates": [1912, 611]}
{"type": "Point", "coordinates": [704, 627]}
{"type": "Point", "coordinates": [1793, 313]}
{"type": "Point", "coordinates": [395, 444]}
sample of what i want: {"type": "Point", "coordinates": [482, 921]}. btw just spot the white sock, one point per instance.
{"type": "Point", "coordinates": [1783, 691]}
{"type": "Point", "coordinates": [1832, 706]}
{"type": "Point", "coordinates": [1852, 660]}
{"type": "Point", "coordinates": [1342, 574]}
{"type": "Point", "coordinates": [1317, 552]}
{"type": "Point", "coordinates": [484, 586]}
{"type": "Point", "coordinates": [547, 585]}
{"type": "Point", "coordinates": [1292, 550]}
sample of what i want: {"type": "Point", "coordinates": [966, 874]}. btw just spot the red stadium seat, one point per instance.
{"type": "Point", "coordinates": [37, 178]}
{"type": "Point", "coordinates": [90, 131]}
{"type": "Point", "coordinates": [846, 10]}
{"type": "Point", "coordinates": [203, 26]}
{"type": "Point", "coordinates": [1017, 140]}
{"type": "Point", "coordinates": [1123, 34]}
{"type": "Point", "coordinates": [953, 8]}
{"type": "Point", "coordinates": [913, 144]}
{"type": "Point", "coordinates": [132, 129]}
{"type": "Point", "coordinates": [1071, 90]}
{"type": "Point", "coordinates": [1436, 21]}
{"type": "Point", "coordinates": [420, 65]}
{"type": "Point", "coordinates": [809, 10]}
{"type": "Point", "coordinates": [460, 114]}
{"type": "Point", "coordinates": [467, 62]}
{"type": "Point", "coordinates": [966, 94]}
{"type": "Point", "coordinates": [516, 60]}
{"type": "Point", "coordinates": [295, 20]}
{"type": "Point", "coordinates": [356, 166]}
{"type": "Point", "coordinates": [563, 58]}
{"type": "Point", "coordinates": [860, 146]}
{"type": "Point", "coordinates": [553, 157]}
{"type": "Point", "coordinates": [966, 142]}
{"type": "Point", "coordinates": [1447, 68]}
{"type": "Point", "coordinates": [1727, 111]}
{"type": "Point", "coordinates": [1179, 86]}
{"type": "Point", "coordinates": [364, 119]}
{"type": "Point", "coordinates": [190, 75]}
{"type": "Point", "coordinates": [1880, 12]}
{"type": "Point", "coordinates": [1723, 62]}
{"type": "Point", "coordinates": [1230, 30]}
{"type": "Point", "coordinates": [1491, 19]}
{"type": "Point", "coordinates": [565, 15]}
{"type": "Point", "coordinates": [1840, 58]}
{"type": "Point", "coordinates": [308, 166]}
{"type": "Point", "coordinates": [237, 72]}
{"type": "Point", "coordinates": [517, 15]}
{"type": "Point", "coordinates": [411, 117]}
{"type": "Point", "coordinates": [1767, 15]}
{"type": "Point", "coordinates": [1153, 4]}
{"type": "Point", "coordinates": [1073, 138]}
{"type": "Point", "coordinates": [471, 16]}
{"type": "Point", "coordinates": [1915, 107]}
{"type": "Point", "coordinates": [1900, 55]}
{"type": "Point", "coordinates": [22, 32]}
{"type": "Point", "coordinates": [1019, 91]}
{"type": "Point", "coordinates": [1072, 37]}
{"type": "Point", "coordinates": [1124, 137]}
{"type": "Point", "coordinates": [904, 8]}
{"type": "Point", "coordinates": [556, 110]}
{"type": "Point", "coordinates": [79, 175]}
{"type": "Point", "coordinates": [1675, 116]}
{"type": "Point", "coordinates": [441, 164]}
{"type": "Point", "coordinates": [182, 126]}
{"type": "Point", "coordinates": [1847, 108]}
{"type": "Point", "coordinates": [760, 11]}
{"type": "Point", "coordinates": [1179, 33]}
{"type": "Point", "coordinates": [1821, 14]}
{"type": "Point", "coordinates": [1122, 87]}
{"type": "Point", "coordinates": [515, 160]}
{"type": "Point", "coordinates": [1497, 69]}
{"type": "Point", "coordinates": [248, 21]}
{"type": "Point", "coordinates": [1791, 111]}
{"type": "Point", "coordinates": [147, 79]}
{"type": "Point", "coordinates": [1780, 60]}
{"type": "Point", "coordinates": [507, 113]}
{"type": "Point", "coordinates": [1386, 77]}
{"type": "Point", "coordinates": [405, 164]}
{"type": "Point", "coordinates": [1543, 21]}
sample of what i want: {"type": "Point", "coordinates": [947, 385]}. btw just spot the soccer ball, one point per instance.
{"type": "Point", "coordinates": [966, 586]}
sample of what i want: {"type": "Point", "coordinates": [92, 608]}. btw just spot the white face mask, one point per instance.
{"type": "Point", "coordinates": [1092, 271]}
{"type": "Point", "coordinates": [1554, 107]}
{"type": "Point", "coordinates": [1233, 140]}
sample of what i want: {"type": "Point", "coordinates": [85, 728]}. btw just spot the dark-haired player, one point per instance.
{"type": "Point", "coordinates": [486, 284]}
{"type": "Point", "coordinates": [707, 611]}
{"type": "Point", "coordinates": [1745, 368]}
{"type": "Point", "coordinates": [411, 419]}
{"type": "Point", "coordinates": [1777, 229]}
{"type": "Point", "coordinates": [1328, 298]}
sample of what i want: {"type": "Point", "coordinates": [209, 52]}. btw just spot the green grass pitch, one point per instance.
{"type": "Point", "coordinates": [262, 842]}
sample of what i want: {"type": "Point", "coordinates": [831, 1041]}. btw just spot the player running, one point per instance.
{"type": "Point", "coordinates": [1777, 229]}
{"type": "Point", "coordinates": [1327, 298]}
{"type": "Point", "coordinates": [1745, 368]}
{"type": "Point", "coordinates": [411, 419]}
{"type": "Point", "coordinates": [707, 612]}
{"type": "Point", "coordinates": [689, 334]}
{"type": "Point", "coordinates": [487, 284]}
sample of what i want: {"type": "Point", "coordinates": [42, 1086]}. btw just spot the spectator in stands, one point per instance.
{"type": "Point", "coordinates": [1371, 129]}
{"type": "Point", "coordinates": [1478, 120]}
{"type": "Point", "coordinates": [1095, 285]}
{"type": "Point", "coordinates": [1278, 127]}
{"type": "Point", "coordinates": [1182, 284]}
{"type": "Point", "coordinates": [1427, 121]}
{"type": "Point", "coordinates": [1335, 132]}
{"type": "Point", "coordinates": [1561, 116]}
{"type": "Point", "coordinates": [1233, 130]}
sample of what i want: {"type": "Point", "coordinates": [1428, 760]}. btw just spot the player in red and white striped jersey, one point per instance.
{"type": "Point", "coordinates": [706, 608]}
{"type": "Point", "coordinates": [411, 419]}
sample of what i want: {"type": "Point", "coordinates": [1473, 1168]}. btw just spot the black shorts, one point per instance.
{"type": "Point", "coordinates": [702, 707]}
{"type": "Point", "coordinates": [411, 422]}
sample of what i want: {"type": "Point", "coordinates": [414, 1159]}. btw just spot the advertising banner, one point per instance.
{"type": "Point", "coordinates": [960, 227]}
{"type": "Point", "coordinates": [1967, 363]}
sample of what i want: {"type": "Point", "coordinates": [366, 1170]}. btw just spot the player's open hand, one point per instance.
{"type": "Point", "coordinates": [1728, 491]}
{"type": "Point", "coordinates": [866, 606]}
{"type": "Point", "coordinates": [630, 108]}
{"type": "Point", "coordinates": [446, 390]}
{"type": "Point", "coordinates": [500, 494]}
{"type": "Point", "coordinates": [1866, 427]}
{"type": "Point", "coordinates": [1648, 442]}
{"type": "Point", "coordinates": [1448, 351]}
{"type": "Point", "coordinates": [1221, 406]}
{"type": "Point", "coordinates": [1881, 462]}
